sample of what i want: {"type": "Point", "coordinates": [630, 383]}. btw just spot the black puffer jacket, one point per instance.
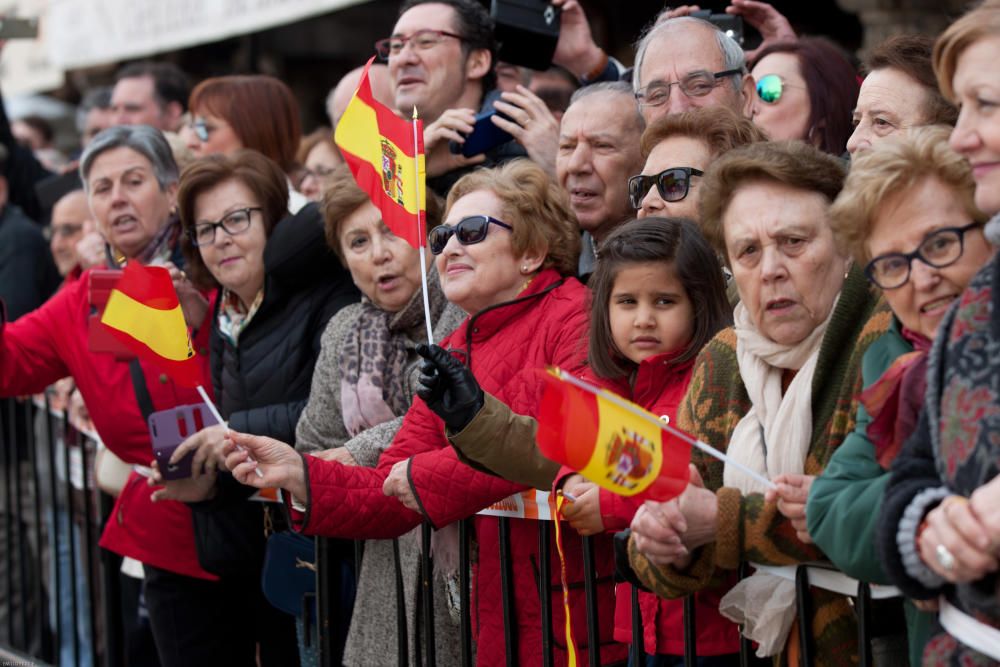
{"type": "Point", "coordinates": [261, 387]}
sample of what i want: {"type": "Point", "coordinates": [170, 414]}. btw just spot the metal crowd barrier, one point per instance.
{"type": "Point", "coordinates": [47, 478]}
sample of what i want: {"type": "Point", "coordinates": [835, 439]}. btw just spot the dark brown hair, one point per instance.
{"type": "Point", "coordinates": [676, 241]}
{"type": "Point", "coordinates": [911, 55]}
{"type": "Point", "coordinates": [261, 110]}
{"type": "Point", "coordinates": [832, 86]}
{"type": "Point", "coordinates": [260, 175]}
{"type": "Point", "coordinates": [721, 128]}
{"type": "Point", "coordinates": [343, 197]}
{"type": "Point", "coordinates": [791, 163]}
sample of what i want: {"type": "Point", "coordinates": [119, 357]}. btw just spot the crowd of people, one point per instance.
{"type": "Point", "coordinates": [786, 255]}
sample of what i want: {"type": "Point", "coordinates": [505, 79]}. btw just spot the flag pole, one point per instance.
{"type": "Point", "coordinates": [421, 233]}
{"type": "Point", "coordinates": [218, 417]}
{"type": "Point", "coordinates": [703, 446]}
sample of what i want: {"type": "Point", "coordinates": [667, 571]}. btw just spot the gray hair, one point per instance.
{"type": "Point", "coordinates": [95, 98]}
{"type": "Point", "coordinates": [610, 88]}
{"type": "Point", "coordinates": [143, 139]}
{"type": "Point", "coordinates": [732, 52]}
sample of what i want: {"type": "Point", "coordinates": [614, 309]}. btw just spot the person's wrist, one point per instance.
{"type": "Point", "coordinates": [587, 63]}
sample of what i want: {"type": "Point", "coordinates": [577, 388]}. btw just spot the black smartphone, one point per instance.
{"type": "Point", "coordinates": [727, 23]}
{"type": "Point", "coordinates": [15, 28]}
{"type": "Point", "coordinates": [485, 136]}
{"type": "Point", "coordinates": [527, 31]}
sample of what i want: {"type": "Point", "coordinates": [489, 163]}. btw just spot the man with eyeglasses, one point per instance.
{"type": "Point", "coordinates": [687, 63]}
{"type": "Point", "coordinates": [598, 151]}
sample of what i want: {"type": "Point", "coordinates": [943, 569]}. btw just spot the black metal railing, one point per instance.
{"type": "Point", "coordinates": [52, 515]}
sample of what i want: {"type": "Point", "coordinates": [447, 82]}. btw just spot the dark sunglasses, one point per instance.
{"type": "Point", "coordinates": [770, 87]}
{"type": "Point", "coordinates": [468, 231]}
{"type": "Point", "coordinates": [672, 184]}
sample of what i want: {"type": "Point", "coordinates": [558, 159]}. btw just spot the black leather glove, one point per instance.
{"type": "Point", "coordinates": [448, 387]}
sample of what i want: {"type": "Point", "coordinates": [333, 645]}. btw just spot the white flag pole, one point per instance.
{"type": "Point", "coordinates": [421, 234]}
{"type": "Point", "coordinates": [705, 447]}
{"type": "Point", "coordinates": [218, 417]}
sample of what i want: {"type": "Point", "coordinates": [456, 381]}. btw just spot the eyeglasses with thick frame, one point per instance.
{"type": "Point", "coordinates": [421, 40]}
{"type": "Point", "coordinates": [672, 184]}
{"type": "Point", "coordinates": [939, 249]}
{"type": "Point", "coordinates": [468, 231]}
{"type": "Point", "coordinates": [695, 84]}
{"type": "Point", "coordinates": [233, 223]}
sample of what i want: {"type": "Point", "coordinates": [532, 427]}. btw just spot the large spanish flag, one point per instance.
{"type": "Point", "coordinates": [144, 314]}
{"type": "Point", "coordinates": [386, 156]}
{"type": "Point", "coordinates": [611, 441]}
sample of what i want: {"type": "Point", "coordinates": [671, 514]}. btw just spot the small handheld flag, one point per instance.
{"type": "Point", "coordinates": [143, 313]}
{"type": "Point", "coordinates": [386, 157]}
{"type": "Point", "coordinates": [615, 443]}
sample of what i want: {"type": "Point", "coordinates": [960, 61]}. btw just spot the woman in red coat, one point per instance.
{"type": "Point", "coordinates": [505, 257]}
{"type": "Point", "coordinates": [130, 178]}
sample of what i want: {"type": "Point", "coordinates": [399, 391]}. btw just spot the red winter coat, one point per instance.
{"type": "Point", "coordinates": [51, 343]}
{"type": "Point", "coordinates": [659, 387]}
{"type": "Point", "coordinates": [504, 346]}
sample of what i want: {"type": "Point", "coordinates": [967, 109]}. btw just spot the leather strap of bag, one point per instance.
{"type": "Point", "coordinates": [142, 396]}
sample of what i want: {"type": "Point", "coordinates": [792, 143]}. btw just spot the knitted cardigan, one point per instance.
{"type": "Point", "coordinates": [748, 529]}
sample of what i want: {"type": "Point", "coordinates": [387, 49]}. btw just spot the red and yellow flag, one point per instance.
{"type": "Point", "coordinates": [143, 313]}
{"type": "Point", "coordinates": [386, 156]}
{"type": "Point", "coordinates": [612, 442]}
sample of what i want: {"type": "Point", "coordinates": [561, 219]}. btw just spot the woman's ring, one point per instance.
{"type": "Point", "coordinates": [944, 557]}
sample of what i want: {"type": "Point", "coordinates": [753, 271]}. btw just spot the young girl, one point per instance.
{"type": "Point", "coordinates": [658, 296]}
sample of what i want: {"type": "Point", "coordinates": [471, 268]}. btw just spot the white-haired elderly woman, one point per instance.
{"type": "Point", "coordinates": [131, 179]}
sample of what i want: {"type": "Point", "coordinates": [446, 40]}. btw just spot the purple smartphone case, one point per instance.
{"type": "Point", "coordinates": [169, 428]}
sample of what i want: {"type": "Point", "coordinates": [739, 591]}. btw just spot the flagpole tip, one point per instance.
{"type": "Point", "coordinates": [415, 116]}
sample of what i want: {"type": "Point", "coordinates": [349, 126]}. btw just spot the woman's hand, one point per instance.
{"type": "Point", "coordinates": [448, 387]}
{"type": "Point", "coordinates": [398, 484]}
{"type": "Point", "coordinates": [769, 22]}
{"type": "Point", "coordinates": [986, 504]}
{"type": "Point", "coordinates": [584, 513]}
{"type": "Point", "coordinates": [676, 12]}
{"type": "Point", "coordinates": [280, 466]}
{"type": "Point", "coordinates": [193, 304]}
{"type": "Point", "coordinates": [791, 495]}
{"type": "Point", "coordinates": [207, 446]}
{"type": "Point", "coordinates": [955, 544]}
{"type": "Point", "coordinates": [452, 125]}
{"type": "Point", "coordinates": [339, 454]}
{"type": "Point", "coordinates": [700, 509]}
{"type": "Point", "coordinates": [190, 490]}
{"type": "Point", "coordinates": [658, 529]}
{"type": "Point", "coordinates": [90, 249]}
{"type": "Point", "coordinates": [532, 125]}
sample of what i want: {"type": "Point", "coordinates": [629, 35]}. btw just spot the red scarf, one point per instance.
{"type": "Point", "coordinates": [894, 400]}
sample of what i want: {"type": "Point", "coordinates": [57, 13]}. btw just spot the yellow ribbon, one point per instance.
{"type": "Point", "coordinates": [570, 644]}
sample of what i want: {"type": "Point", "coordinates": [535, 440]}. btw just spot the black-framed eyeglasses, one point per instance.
{"type": "Point", "coordinates": [695, 84]}
{"type": "Point", "coordinates": [421, 41]}
{"type": "Point", "coordinates": [939, 249]}
{"type": "Point", "coordinates": [672, 185]}
{"type": "Point", "coordinates": [235, 222]}
{"type": "Point", "coordinates": [468, 231]}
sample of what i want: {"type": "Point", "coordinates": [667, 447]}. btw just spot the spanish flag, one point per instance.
{"type": "Point", "coordinates": [143, 313]}
{"type": "Point", "coordinates": [612, 442]}
{"type": "Point", "coordinates": [386, 156]}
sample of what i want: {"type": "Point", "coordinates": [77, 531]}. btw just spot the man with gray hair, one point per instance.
{"type": "Point", "coordinates": [598, 151]}
{"type": "Point", "coordinates": [706, 66]}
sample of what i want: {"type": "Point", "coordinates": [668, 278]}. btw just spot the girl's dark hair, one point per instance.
{"type": "Point", "coordinates": [668, 240]}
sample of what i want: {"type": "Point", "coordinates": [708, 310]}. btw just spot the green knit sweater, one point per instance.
{"type": "Point", "coordinates": [748, 529]}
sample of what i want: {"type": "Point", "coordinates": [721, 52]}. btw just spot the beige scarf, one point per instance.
{"type": "Point", "coordinates": [772, 438]}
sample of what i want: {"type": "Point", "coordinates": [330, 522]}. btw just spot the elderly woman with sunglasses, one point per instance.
{"type": "Point", "coordinates": [939, 532]}
{"type": "Point", "coordinates": [805, 90]}
{"type": "Point", "coordinates": [773, 392]}
{"type": "Point", "coordinates": [907, 215]}
{"type": "Point", "coordinates": [506, 257]}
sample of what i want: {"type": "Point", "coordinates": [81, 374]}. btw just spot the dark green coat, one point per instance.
{"type": "Point", "coordinates": [845, 501]}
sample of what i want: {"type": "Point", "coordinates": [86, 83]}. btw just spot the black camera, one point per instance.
{"type": "Point", "coordinates": [527, 31]}
{"type": "Point", "coordinates": [727, 23]}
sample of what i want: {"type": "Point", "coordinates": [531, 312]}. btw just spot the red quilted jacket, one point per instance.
{"type": "Point", "coordinates": [51, 343]}
{"type": "Point", "coordinates": [659, 387]}
{"type": "Point", "coordinates": [504, 346]}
